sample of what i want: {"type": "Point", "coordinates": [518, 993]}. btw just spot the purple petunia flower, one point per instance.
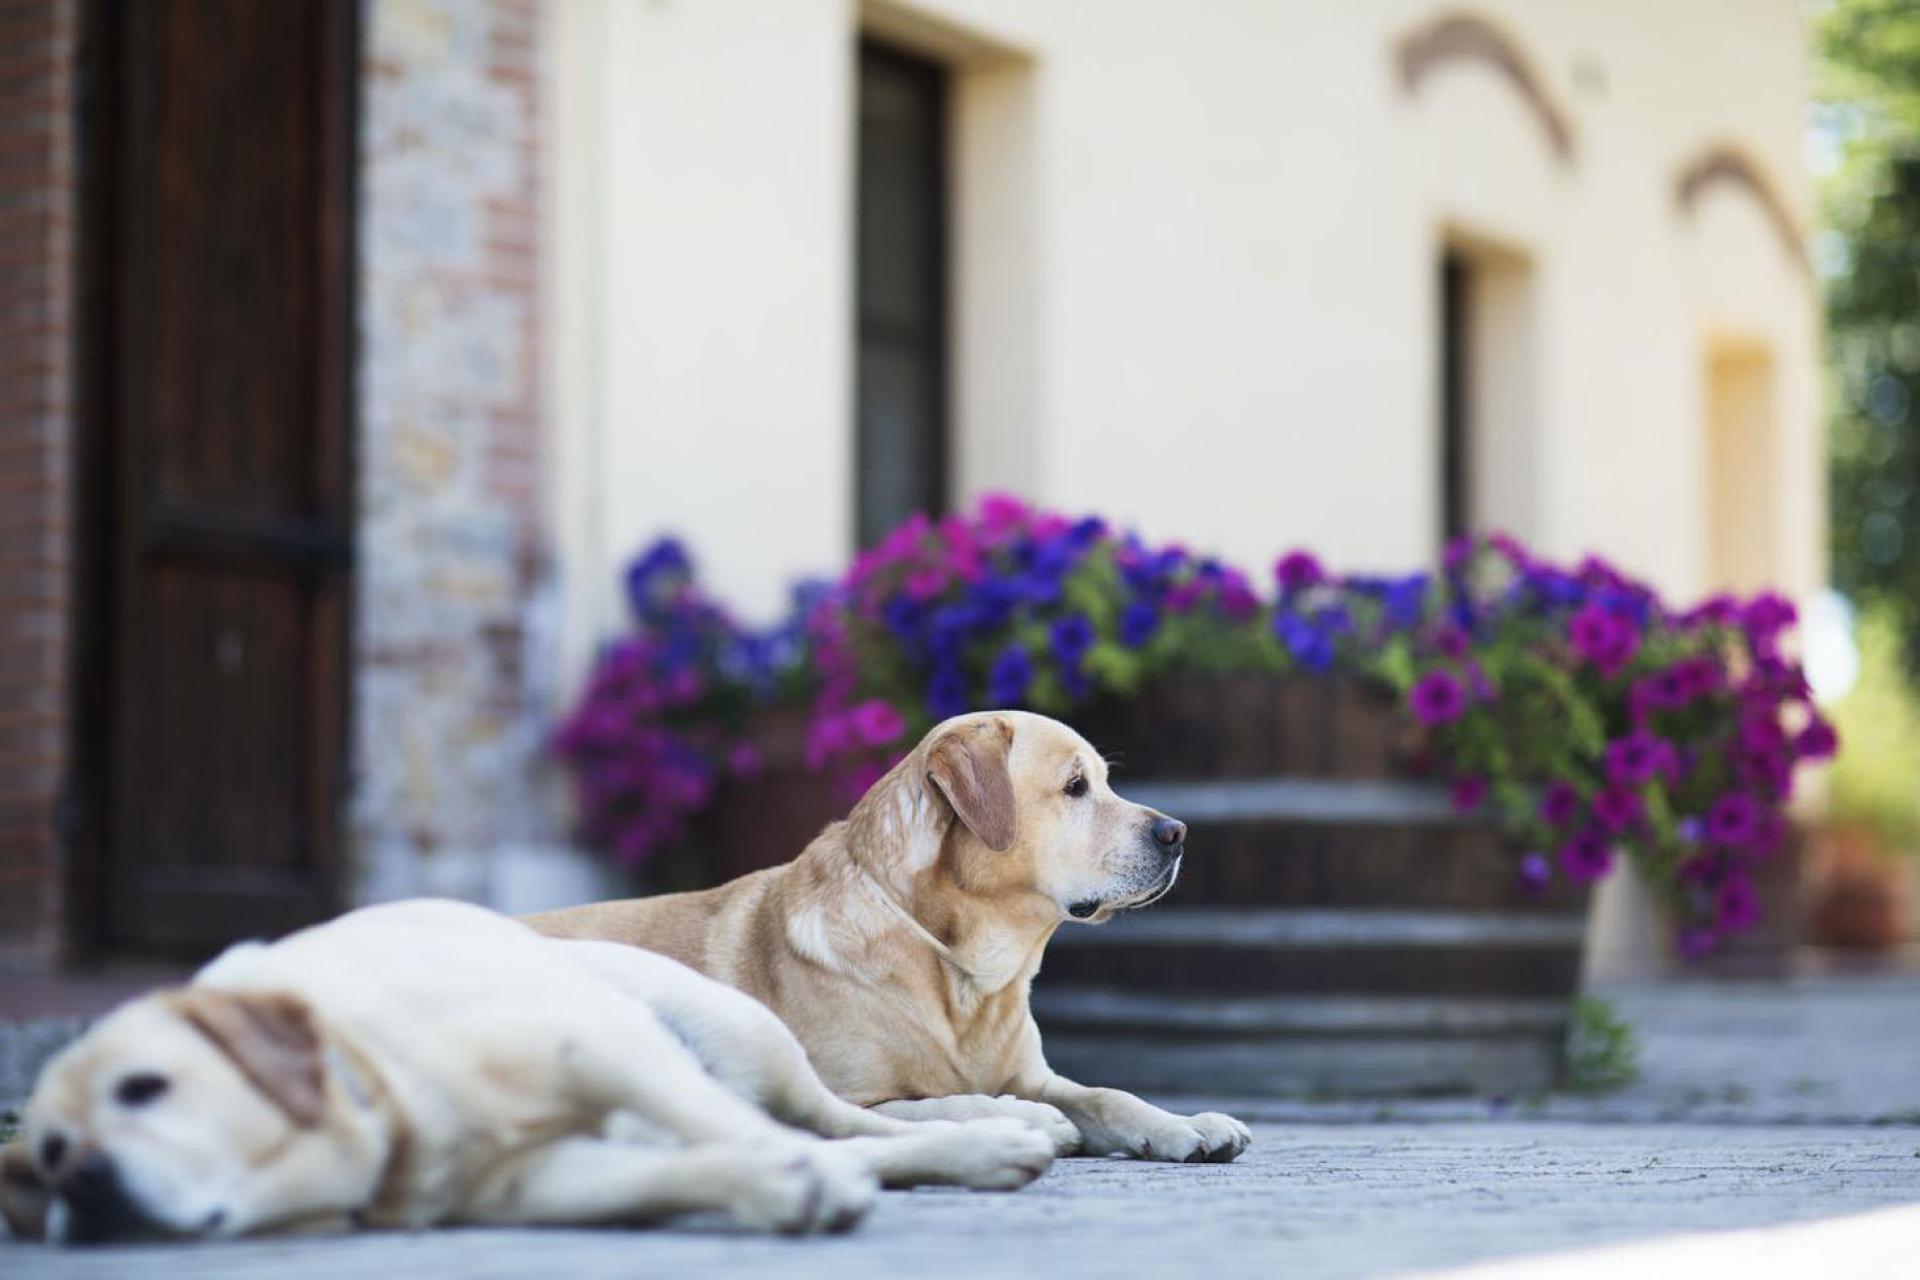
{"type": "Point", "coordinates": [1469, 792]}
{"type": "Point", "coordinates": [1310, 644]}
{"type": "Point", "coordinates": [1138, 622]}
{"type": "Point", "coordinates": [1012, 673]}
{"type": "Point", "coordinates": [1817, 741]}
{"type": "Point", "coordinates": [1639, 758]}
{"type": "Point", "coordinates": [1604, 638]}
{"type": "Point", "coordinates": [1736, 905]}
{"type": "Point", "coordinates": [1586, 857]}
{"type": "Point", "coordinates": [1617, 808]}
{"type": "Point", "coordinates": [1536, 873]}
{"type": "Point", "coordinates": [1298, 570]}
{"type": "Point", "coordinates": [1438, 699]}
{"type": "Point", "coordinates": [1560, 805]}
{"type": "Point", "coordinates": [1071, 637]}
{"type": "Point", "coordinates": [947, 694]}
{"type": "Point", "coordinates": [1734, 820]}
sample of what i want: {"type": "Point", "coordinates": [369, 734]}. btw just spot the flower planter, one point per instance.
{"type": "Point", "coordinates": [1338, 928]}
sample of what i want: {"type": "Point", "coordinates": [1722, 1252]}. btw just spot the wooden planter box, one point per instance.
{"type": "Point", "coordinates": [1337, 928]}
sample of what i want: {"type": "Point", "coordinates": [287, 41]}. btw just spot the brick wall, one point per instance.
{"type": "Point", "coordinates": [37, 200]}
{"type": "Point", "coordinates": [449, 710]}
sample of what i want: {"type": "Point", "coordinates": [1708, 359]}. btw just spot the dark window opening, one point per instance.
{"type": "Point", "coordinates": [1456, 282]}
{"type": "Point", "coordinates": [900, 291]}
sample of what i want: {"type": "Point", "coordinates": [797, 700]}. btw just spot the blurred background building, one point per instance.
{"type": "Point", "coordinates": [352, 350]}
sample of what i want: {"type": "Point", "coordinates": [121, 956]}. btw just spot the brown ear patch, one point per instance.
{"type": "Point", "coordinates": [24, 1199]}
{"type": "Point", "coordinates": [969, 766]}
{"type": "Point", "coordinates": [270, 1037]}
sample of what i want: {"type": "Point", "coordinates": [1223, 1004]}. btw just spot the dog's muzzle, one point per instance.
{"type": "Point", "coordinates": [98, 1207]}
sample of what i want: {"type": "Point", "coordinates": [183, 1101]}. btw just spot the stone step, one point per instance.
{"type": "Point", "coordinates": [1093, 1008]}
{"type": "Point", "coordinates": [1384, 802]}
{"type": "Point", "coordinates": [1320, 928]}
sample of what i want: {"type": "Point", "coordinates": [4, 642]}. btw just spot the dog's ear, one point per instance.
{"type": "Point", "coordinates": [969, 766]}
{"type": "Point", "coordinates": [24, 1198]}
{"type": "Point", "coordinates": [270, 1037]}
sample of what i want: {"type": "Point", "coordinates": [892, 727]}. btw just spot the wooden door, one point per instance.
{"type": "Point", "coordinates": [218, 267]}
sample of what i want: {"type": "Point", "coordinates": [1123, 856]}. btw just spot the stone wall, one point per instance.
{"type": "Point", "coordinates": [37, 211]}
{"type": "Point", "coordinates": [452, 794]}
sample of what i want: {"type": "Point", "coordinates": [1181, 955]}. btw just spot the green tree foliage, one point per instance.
{"type": "Point", "coordinates": [1869, 92]}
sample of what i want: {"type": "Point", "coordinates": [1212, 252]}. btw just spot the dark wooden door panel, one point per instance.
{"type": "Point", "coordinates": [221, 402]}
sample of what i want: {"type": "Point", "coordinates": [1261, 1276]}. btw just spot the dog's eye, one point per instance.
{"type": "Point", "coordinates": [1077, 788]}
{"type": "Point", "coordinates": [139, 1090]}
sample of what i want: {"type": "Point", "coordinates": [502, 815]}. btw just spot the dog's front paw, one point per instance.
{"type": "Point", "coordinates": [1209, 1137]}
{"type": "Point", "coordinates": [999, 1154]}
{"type": "Point", "coordinates": [1047, 1119]}
{"type": "Point", "coordinates": [806, 1191]}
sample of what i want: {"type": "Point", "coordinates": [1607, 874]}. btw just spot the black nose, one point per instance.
{"type": "Point", "coordinates": [98, 1205]}
{"type": "Point", "coordinates": [1169, 832]}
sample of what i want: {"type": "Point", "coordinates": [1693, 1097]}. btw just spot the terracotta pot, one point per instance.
{"type": "Point", "coordinates": [1860, 901]}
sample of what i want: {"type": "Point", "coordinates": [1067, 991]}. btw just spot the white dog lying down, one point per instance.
{"type": "Point", "coordinates": [432, 1062]}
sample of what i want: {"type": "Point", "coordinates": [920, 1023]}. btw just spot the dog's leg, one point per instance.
{"type": "Point", "coordinates": [581, 1181]}
{"type": "Point", "coordinates": [1064, 1135]}
{"type": "Point", "coordinates": [1114, 1122]}
{"type": "Point", "coordinates": [749, 1052]}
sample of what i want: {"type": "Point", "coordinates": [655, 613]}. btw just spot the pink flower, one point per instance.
{"type": "Point", "coordinates": [1298, 570]}
{"type": "Point", "coordinates": [1438, 699]}
{"type": "Point", "coordinates": [923, 585]}
{"type": "Point", "coordinates": [875, 722]}
{"type": "Point", "coordinates": [1560, 805]}
{"type": "Point", "coordinates": [828, 736]}
{"type": "Point", "coordinates": [1617, 808]}
{"type": "Point", "coordinates": [1736, 906]}
{"type": "Point", "coordinates": [1586, 857]}
{"type": "Point", "coordinates": [1817, 741]}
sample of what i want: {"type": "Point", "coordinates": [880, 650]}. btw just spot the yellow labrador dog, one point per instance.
{"type": "Point", "coordinates": [432, 1062]}
{"type": "Point", "coordinates": [900, 945]}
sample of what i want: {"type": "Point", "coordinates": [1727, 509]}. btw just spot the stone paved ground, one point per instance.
{"type": "Point", "coordinates": [1307, 1201]}
{"type": "Point", "coordinates": [1759, 1106]}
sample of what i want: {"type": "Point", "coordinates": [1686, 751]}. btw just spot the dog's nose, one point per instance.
{"type": "Point", "coordinates": [1169, 832]}
{"type": "Point", "coordinates": [98, 1205]}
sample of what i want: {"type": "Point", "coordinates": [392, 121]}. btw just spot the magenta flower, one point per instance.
{"type": "Point", "coordinates": [1817, 741]}
{"type": "Point", "coordinates": [1734, 820]}
{"type": "Point", "coordinates": [1586, 857]}
{"type": "Point", "coordinates": [1298, 570]}
{"type": "Point", "coordinates": [1469, 792]}
{"type": "Point", "coordinates": [1560, 805]}
{"type": "Point", "coordinates": [1455, 555]}
{"type": "Point", "coordinates": [1639, 758]}
{"type": "Point", "coordinates": [828, 736]}
{"type": "Point", "coordinates": [876, 723]}
{"type": "Point", "coordinates": [1438, 699]}
{"type": "Point", "coordinates": [924, 584]}
{"type": "Point", "coordinates": [1735, 905]}
{"type": "Point", "coordinates": [1603, 638]}
{"type": "Point", "coordinates": [1617, 808]}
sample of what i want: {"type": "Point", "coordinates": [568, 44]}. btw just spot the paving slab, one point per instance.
{"type": "Point", "coordinates": [1306, 1201]}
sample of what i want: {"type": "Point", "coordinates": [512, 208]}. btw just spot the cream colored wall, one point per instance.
{"type": "Point", "coordinates": [1195, 273]}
